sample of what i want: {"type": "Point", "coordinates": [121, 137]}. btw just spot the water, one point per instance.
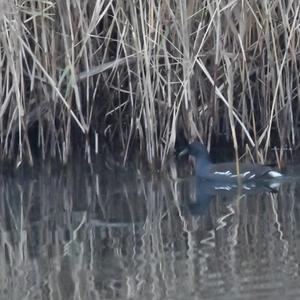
{"type": "Point", "coordinates": [107, 233]}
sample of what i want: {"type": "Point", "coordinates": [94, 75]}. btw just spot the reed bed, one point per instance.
{"type": "Point", "coordinates": [135, 74]}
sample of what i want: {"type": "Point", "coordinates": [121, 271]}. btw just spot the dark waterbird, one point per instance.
{"type": "Point", "coordinates": [207, 190]}
{"type": "Point", "coordinates": [204, 168]}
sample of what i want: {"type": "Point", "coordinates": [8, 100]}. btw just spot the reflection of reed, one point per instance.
{"type": "Point", "coordinates": [77, 234]}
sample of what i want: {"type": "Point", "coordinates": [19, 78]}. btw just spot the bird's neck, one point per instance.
{"type": "Point", "coordinates": [204, 159]}
{"type": "Point", "coordinates": [202, 164]}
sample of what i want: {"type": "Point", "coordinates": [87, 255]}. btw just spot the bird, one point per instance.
{"type": "Point", "coordinates": [204, 191]}
{"type": "Point", "coordinates": [206, 169]}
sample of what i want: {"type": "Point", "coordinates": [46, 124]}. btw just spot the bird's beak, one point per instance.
{"type": "Point", "coordinates": [183, 152]}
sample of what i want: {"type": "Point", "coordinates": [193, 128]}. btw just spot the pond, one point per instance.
{"type": "Point", "coordinates": [78, 232]}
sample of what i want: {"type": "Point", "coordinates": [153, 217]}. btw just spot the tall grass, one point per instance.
{"type": "Point", "coordinates": [139, 72]}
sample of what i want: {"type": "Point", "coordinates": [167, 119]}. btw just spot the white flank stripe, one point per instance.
{"type": "Point", "coordinates": [275, 174]}
{"type": "Point", "coordinates": [223, 173]}
{"type": "Point", "coordinates": [246, 187]}
{"type": "Point", "coordinates": [227, 188]}
{"type": "Point", "coordinates": [245, 174]}
{"type": "Point", "coordinates": [252, 176]}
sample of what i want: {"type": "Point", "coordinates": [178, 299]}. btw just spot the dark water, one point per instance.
{"type": "Point", "coordinates": [77, 233]}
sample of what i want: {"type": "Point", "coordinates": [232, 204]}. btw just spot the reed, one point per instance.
{"type": "Point", "coordinates": [139, 72]}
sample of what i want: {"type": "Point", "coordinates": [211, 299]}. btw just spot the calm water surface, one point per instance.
{"type": "Point", "coordinates": [107, 233]}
